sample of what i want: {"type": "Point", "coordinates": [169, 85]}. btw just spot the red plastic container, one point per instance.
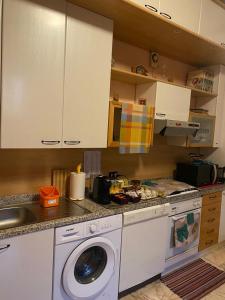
{"type": "Point", "coordinates": [49, 196]}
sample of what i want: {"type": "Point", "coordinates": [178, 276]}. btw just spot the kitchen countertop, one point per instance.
{"type": "Point", "coordinates": [68, 213]}
{"type": "Point", "coordinates": [212, 189]}
{"type": "Point", "coordinates": [65, 214]}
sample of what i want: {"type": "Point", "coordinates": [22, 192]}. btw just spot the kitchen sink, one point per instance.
{"type": "Point", "coordinates": [15, 216]}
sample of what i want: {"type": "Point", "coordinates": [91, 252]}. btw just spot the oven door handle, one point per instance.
{"type": "Point", "coordinates": [180, 216]}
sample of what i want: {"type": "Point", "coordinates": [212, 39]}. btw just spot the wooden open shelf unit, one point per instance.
{"type": "Point", "coordinates": [133, 78]}
{"type": "Point", "coordinates": [148, 30]}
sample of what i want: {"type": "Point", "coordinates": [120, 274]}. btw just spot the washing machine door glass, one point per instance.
{"type": "Point", "coordinates": [89, 268]}
{"type": "Point", "coordinates": [90, 264]}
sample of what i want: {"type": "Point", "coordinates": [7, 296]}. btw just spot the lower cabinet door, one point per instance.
{"type": "Point", "coordinates": [26, 266]}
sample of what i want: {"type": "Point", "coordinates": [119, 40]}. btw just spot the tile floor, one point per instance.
{"type": "Point", "coordinates": [158, 291]}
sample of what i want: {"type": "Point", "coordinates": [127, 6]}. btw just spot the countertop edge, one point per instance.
{"type": "Point", "coordinates": [96, 211]}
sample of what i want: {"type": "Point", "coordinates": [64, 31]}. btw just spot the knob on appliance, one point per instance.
{"type": "Point", "coordinates": [93, 228]}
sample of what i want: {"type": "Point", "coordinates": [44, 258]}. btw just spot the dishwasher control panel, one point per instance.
{"type": "Point", "coordinates": [147, 213]}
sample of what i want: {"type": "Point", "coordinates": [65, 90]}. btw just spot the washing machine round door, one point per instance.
{"type": "Point", "coordinates": [89, 268]}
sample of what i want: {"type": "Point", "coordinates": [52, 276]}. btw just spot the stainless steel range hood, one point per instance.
{"type": "Point", "coordinates": [175, 128]}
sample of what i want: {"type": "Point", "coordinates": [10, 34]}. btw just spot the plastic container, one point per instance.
{"type": "Point", "coordinates": [49, 196]}
{"type": "Point", "coordinates": [201, 80]}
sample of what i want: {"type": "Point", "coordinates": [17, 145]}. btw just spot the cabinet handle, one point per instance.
{"type": "Point", "coordinates": [72, 142]}
{"type": "Point", "coordinates": [210, 231]}
{"type": "Point", "coordinates": [209, 242]}
{"type": "Point", "coordinates": [212, 209]}
{"type": "Point", "coordinates": [152, 8]}
{"type": "Point", "coordinates": [165, 15]}
{"type": "Point", "coordinates": [5, 247]}
{"type": "Point", "coordinates": [50, 142]}
{"type": "Point", "coordinates": [160, 114]}
{"type": "Point", "coordinates": [211, 220]}
{"type": "Point", "coordinates": [212, 197]}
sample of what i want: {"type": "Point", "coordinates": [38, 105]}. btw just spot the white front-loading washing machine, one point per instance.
{"type": "Point", "coordinates": [87, 260]}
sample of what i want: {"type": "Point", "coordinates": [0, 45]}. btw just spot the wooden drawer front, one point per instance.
{"type": "Point", "coordinates": [208, 229]}
{"type": "Point", "coordinates": [210, 212]}
{"type": "Point", "coordinates": [208, 240]}
{"type": "Point", "coordinates": [212, 198]}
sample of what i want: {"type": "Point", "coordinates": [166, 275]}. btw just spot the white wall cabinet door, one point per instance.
{"type": "Point", "coordinates": [87, 79]}
{"type": "Point", "coordinates": [183, 12]}
{"type": "Point", "coordinates": [173, 101]}
{"type": "Point", "coordinates": [222, 220]}
{"type": "Point", "coordinates": [26, 266]}
{"type": "Point", "coordinates": [212, 22]}
{"type": "Point", "coordinates": [32, 73]}
{"type": "Point", "coordinates": [152, 5]}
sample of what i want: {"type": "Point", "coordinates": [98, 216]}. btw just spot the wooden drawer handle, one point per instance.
{"type": "Point", "coordinates": [211, 220]}
{"type": "Point", "coordinates": [212, 209]}
{"type": "Point", "coordinates": [209, 242]}
{"type": "Point", "coordinates": [212, 197]}
{"type": "Point", "coordinates": [210, 231]}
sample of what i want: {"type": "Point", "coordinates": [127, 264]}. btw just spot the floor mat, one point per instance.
{"type": "Point", "coordinates": [195, 280]}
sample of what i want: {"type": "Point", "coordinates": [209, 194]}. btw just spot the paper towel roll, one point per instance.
{"type": "Point", "coordinates": [77, 186]}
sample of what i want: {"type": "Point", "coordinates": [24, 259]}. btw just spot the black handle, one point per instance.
{"type": "Point", "coordinates": [5, 247]}
{"type": "Point", "coordinates": [151, 7]}
{"type": "Point", "coordinates": [165, 15]}
{"type": "Point", "coordinates": [72, 142]}
{"type": "Point", "coordinates": [50, 142]}
{"type": "Point", "coordinates": [160, 114]}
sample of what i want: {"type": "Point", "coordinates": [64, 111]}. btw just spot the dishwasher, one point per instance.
{"type": "Point", "coordinates": [144, 244]}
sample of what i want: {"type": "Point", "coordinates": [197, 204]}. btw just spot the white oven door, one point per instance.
{"type": "Point", "coordinates": [172, 250]}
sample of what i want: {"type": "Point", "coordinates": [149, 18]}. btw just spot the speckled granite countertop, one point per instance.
{"type": "Point", "coordinates": [65, 214]}
{"type": "Point", "coordinates": [68, 212]}
{"type": "Point", "coordinates": [212, 189]}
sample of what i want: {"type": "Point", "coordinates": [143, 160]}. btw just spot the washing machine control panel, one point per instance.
{"type": "Point", "coordinates": [82, 230]}
{"type": "Point", "coordinates": [101, 226]}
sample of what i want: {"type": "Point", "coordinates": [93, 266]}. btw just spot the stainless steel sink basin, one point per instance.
{"type": "Point", "coordinates": [15, 216]}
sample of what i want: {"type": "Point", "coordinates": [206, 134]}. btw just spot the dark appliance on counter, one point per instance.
{"type": "Point", "coordinates": [197, 173]}
{"type": "Point", "coordinates": [221, 175]}
{"type": "Point", "coordinates": [101, 189]}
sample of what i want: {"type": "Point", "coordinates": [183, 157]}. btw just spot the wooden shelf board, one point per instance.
{"type": "Point", "coordinates": [133, 78]}
{"type": "Point", "coordinates": [148, 30]}
{"type": "Point", "coordinates": [199, 93]}
{"type": "Point", "coordinates": [130, 77]}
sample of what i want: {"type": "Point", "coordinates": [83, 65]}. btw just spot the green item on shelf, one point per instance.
{"type": "Point", "coordinates": [190, 219]}
{"type": "Point", "coordinates": [182, 233]}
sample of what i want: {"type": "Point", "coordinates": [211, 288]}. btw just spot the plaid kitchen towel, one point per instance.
{"type": "Point", "coordinates": [136, 130]}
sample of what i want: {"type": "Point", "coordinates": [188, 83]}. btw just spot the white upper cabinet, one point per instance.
{"type": "Point", "coordinates": [87, 79]}
{"type": "Point", "coordinates": [212, 24]}
{"type": "Point", "coordinates": [183, 12]}
{"type": "Point", "coordinates": [26, 266]}
{"type": "Point", "coordinates": [171, 102]}
{"type": "Point", "coordinates": [32, 73]}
